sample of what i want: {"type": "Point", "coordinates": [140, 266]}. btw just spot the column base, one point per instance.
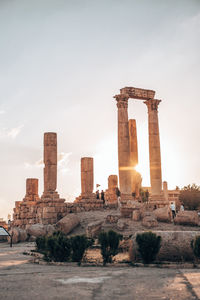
{"type": "Point", "coordinates": [158, 200]}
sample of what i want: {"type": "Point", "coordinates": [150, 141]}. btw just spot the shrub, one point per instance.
{"type": "Point", "coordinates": [40, 243]}
{"type": "Point", "coordinates": [148, 246]}
{"type": "Point", "coordinates": [195, 244]}
{"type": "Point", "coordinates": [109, 245]}
{"type": "Point", "coordinates": [58, 247]}
{"type": "Point", "coordinates": [79, 244]}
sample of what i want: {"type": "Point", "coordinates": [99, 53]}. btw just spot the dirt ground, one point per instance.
{"type": "Point", "coordinates": [21, 279]}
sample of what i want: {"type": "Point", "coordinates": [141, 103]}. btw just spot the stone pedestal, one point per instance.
{"type": "Point", "coordinates": [123, 145]}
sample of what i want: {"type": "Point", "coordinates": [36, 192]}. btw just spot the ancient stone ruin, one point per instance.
{"type": "Point", "coordinates": [50, 208]}
{"type": "Point", "coordinates": [127, 145]}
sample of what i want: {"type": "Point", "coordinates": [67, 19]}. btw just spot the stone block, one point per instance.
{"type": "Point", "coordinates": [149, 222]}
{"type": "Point", "coordinates": [93, 229]}
{"type": "Point", "coordinates": [187, 218]}
{"type": "Point", "coordinates": [163, 214]}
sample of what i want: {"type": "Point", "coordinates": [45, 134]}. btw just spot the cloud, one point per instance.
{"type": "Point", "coordinates": [14, 131]}
{"type": "Point", "coordinates": [2, 112]}
{"type": "Point", "coordinates": [63, 160]}
{"type": "Point", "coordinates": [10, 133]}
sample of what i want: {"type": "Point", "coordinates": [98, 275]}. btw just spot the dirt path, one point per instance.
{"type": "Point", "coordinates": [22, 280]}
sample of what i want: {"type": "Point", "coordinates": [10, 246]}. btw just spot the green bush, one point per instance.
{"type": "Point", "coordinates": [148, 246]}
{"type": "Point", "coordinates": [109, 242]}
{"type": "Point", "coordinates": [195, 244]}
{"type": "Point", "coordinates": [58, 247]}
{"type": "Point", "coordinates": [40, 243]}
{"type": "Point", "coordinates": [79, 244]}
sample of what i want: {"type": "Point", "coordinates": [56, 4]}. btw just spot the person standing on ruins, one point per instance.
{"type": "Point", "coordinates": [173, 209]}
{"type": "Point", "coordinates": [97, 194]}
{"type": "Point", "coordinates": [102, 197]}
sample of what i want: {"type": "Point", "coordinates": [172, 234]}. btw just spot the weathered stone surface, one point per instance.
{"type": "Point", "coordinates": [112, 218]}
{"type": "Point", "coordinates": [110, 194]}
{"type": "Point", "coordinates": [121, 225]}
{"type": "Point", "coordinates": [154, 146]}
{"type": "Point", "coordinates": [123, 145]}
{"type": "Point", "coordinates": [50, 163]}
{"type": "Point", "coordinates": [31, 189]}
{"type": "Point", "coordinates": [138, 93]}
{"type": "Point", "coordinates": [149, 222]}
{"type": "Point", "coordinates": [163, 214]}
{"type": "Point", "coordinates": [187, 218]}
{"type": "Point", "coordinates": [175, 245]}
{"type": "Point", "coordinates": [93, 229]}
{"type": "Point", "coordinates": [136, 216]}
{"type": "Point", "coordinates": [18, 235]}
{"type": "Point", "coordinates": [87, 178]}
{"type": "Point", "coordinates": [68, 223]}
{"type": "Point", "coordinates": [37, 230]}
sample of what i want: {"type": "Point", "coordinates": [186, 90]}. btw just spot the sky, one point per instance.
{"type": "Point", "coordinates": [61, 63]}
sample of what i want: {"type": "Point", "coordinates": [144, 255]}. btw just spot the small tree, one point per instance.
{"type": "Point", "coordinates": [109, 245]}
{"type": "Point", "coordinates": [58, 247]}
{"type": "Point", "coordinates": [195, 244]}
{"type": "Point", "coordinates": [190, 196]}
{"type": "Point", "coordinates": [79, 244]}
{"type": "Point", "coordinates": [148, 246]}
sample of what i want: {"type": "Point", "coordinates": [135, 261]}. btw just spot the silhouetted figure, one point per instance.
{"type": "Point", "coordinates": [97, 194]}
{"type": "Point", "coordinates": [118, 192]}
{"type": "Point", "coordinates": [102, 196]}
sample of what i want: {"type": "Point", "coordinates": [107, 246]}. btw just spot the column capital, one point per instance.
{"type": "Point", "coordinates": [122, 100]}
{"type": "Point", "coordinates": [152, 104]}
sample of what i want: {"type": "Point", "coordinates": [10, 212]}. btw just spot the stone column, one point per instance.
{"type": "Point", "coordinates": [123, 145]}
{"type": "Point", "coordinates": [112, 182]}
{"type": "Point", "coordinates": [133, 143]}
{"type": "Point", "coordinates": [165, 190]}
{"type": "Point", "coordinates": [87, 178]}
{"type": "Point", "coordinates": [154, 147]}
{"type": "Point", "coordinates": [31, 189]}
{"type": "Point", "coordinates": [50, 163]}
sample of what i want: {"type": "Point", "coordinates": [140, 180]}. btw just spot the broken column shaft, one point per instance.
{"type": "Point", "coordinates": [50, 163]}
{"type": "Point", "coordinates": [87, 177]}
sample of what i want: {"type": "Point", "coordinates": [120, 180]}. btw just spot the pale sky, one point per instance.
{"type": "Point", "coordinates": [61, 63]}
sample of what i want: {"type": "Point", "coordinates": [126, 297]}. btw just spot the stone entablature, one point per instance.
{"type": "Point", "coordinates": [138, 93]}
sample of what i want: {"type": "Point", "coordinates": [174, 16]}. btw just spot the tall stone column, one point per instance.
{"type": "Point", "coordinates": [133, 143]}
{"type": "Point", "coordinates": [123, 145]}
{"type": "Point", "coordinates": [87, 177]}
{"type": "Point", "coordinates": [154, 147]}
{"type": "Point", "coordinates": [50, 163]}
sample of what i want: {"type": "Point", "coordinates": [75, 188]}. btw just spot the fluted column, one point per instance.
{"type": "Point", "coordinates": [123, 145]}
{"type": "Point", "coordinates": [50, 163]}
{"type": "Point", "coordinates": [154, 147]}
